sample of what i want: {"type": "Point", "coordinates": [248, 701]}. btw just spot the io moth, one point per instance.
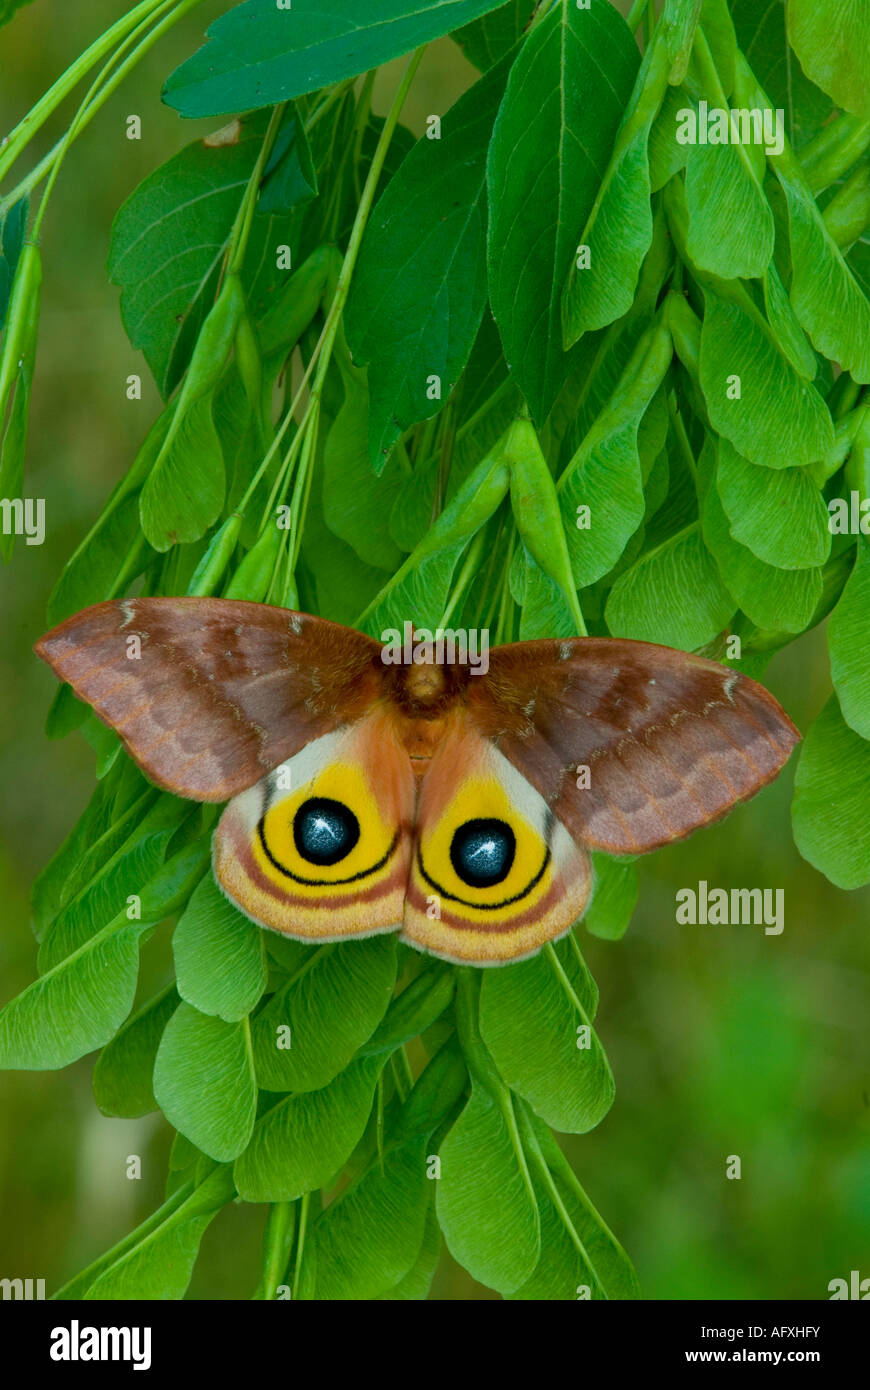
{"type": "Point", "coordinates": [454, 807]}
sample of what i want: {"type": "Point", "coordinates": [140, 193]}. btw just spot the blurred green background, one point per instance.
{"type": "Point", "coordinates": [723, 1040]}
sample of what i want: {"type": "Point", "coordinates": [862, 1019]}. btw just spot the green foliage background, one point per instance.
{"type": "Point", "coordinates": [723, 1041]}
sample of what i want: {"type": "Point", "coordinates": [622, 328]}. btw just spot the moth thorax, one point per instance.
{"type": "Point", "coordinates": [426, 688]}
{"type": "Point", "coordinates": [425, 684]}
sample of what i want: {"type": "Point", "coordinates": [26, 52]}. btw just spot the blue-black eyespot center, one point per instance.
{"type": "Point", "coordinates": [482, 852]}
{"type": "Point", "coordinates": [324, 831]}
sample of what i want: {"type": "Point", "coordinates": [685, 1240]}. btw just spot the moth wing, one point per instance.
{"type": "Point", "coordinates": [671, 741]}
{"type": "Point", "coordinates": [209, 694]}
{"type": "Point", "coordinates": [493, 874]}
{"type": "Point", "coordinates": [320, 848]}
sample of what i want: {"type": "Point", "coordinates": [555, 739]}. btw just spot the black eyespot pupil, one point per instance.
{"type": "Point", "coordinates": [482, 852]}
{"type": "Point", "coordinates": [324, 831]}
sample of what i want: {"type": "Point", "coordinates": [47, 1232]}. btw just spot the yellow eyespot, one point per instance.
{"type": "Point", "coordinates": [482, 852]}
{"type": "Point", "coordinates": [327, 833]}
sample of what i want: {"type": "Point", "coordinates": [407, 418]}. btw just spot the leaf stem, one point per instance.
{"type": "Point", "coordinates": [320, 358]}
{"type": "Point", "coordinates": [561, 976]}
{"type": "Point", "coordinates": [505, 600]}
{"type": "Point", "coordinates": [636, 15]}
{"type": "Point", "coordinates": [304, 1204]}
{"type": "Point", "coordinates": [241, 231]}
{"type": "Point", "coordinates": [682, 437]}
{"type": "Point", "coordinates": [175, 1200]}
{"type": "Point", "coordinates": [97, 95]}
{"type": "Point", "coordinates": [277, 1240]}
{"type": "Point", "coordinates": [498, 395]}
{"type": "Point", "coordinates": [20, 137]}
{"type": "Point", "coordinates": [555, 1197]}
{"type": "Point", "coordinates": [379, 1123]}
{"type": "Point", "coordinates": [466, 574]}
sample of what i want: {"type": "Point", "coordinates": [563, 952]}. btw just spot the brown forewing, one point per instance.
{"type": "Point", "coordinates": [672, 741]}
{"type": "Point", "coordinates": [222, 691]}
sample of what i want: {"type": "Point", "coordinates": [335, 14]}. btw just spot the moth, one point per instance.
{"type": "Point", "coordinates": [369, 795]}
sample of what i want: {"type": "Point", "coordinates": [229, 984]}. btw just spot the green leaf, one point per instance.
{"type": "Point", "coordinates": [579, 1254]}
{"type": "Point", "coordinates": [175, 880]}
{"type": "Point", "coordinates": [538, 518]}
{"type": "Point", "coordinates": [779, 515]}
{"type": "Point", "coordinates": [827, 298]}
{"type": "Point", "coordinates": [421, 585]}
{"type": "Point", "coordinates": [113, 552]}
{"type": "Point", "coordinates": [718, 30]}
{"type": "Point", "coordinates": [184, 493]}
{"type": "Point", "coordinates": [8, 9]}
{"type": "Point", "coordinates": [785, 326]}
{"type": "Point", "coordinates": [672, 595]}
{"type": "Point", "coordinates": [549, 152]}
{"type": "Point", "coordinates": [303, 1141]}
{"type": "Point", "coordinates": [331, 1006]}
{"type": "Point", "coordinates": [341, 581]}
{"type": "Point", "coordinates": [13, 447]}
{"type": "Point", "coordinates": [220, 958]}
{"type": "Point", "coordinates": [419, 290]}
{"type": "Point", "coordinates": [136, 815]}
{"type": "Point", "coordinates": [534, 1015]}
{"type": "Point", "coordinates": [847, 217]}
{"type": "Point", "coordinates": [849, 647]}
{"type": "Point", "coordinates": [485, 1199]}
{"type": "Point", "coordinates": [771, 598]}
{"type": "Point", "coordinates": [605, 478]}
{"type": "Point", "coordinates": [619, 228]}
{"type": "Point", "coordinates": [123, 1074]}
{"type": "Point", "coordinates": [156, 1260]}
{"type": "Point", "coordinates": [370, 1237]}
{"type": "Point", "coordinates": [296, 303]}
{"type": "Point", "coordinates": [562, 1272]}
{"type": "Point", "coordinates": [832, 41]}
{"type": "Point", "coordinates": [832, 792]}
{"type": "Point", "coordinates": [17, 358]}
{"type": "Point", "coordinates": [419, 1005]}
{"type": "Point", "coordinates": [604, 475]}
{"type": "Point", "coordinates": [356, 505]}
{"type": "Point", "coordinates": [13, 225]}
{"type": "Point", "coordinates": [260, 55]}
{"type": "Point", "coordinates": [484, 41]}
{"type": "Point", "coordinates": [761, 34]}
{"type": "Point", "coordinates": [167, 245]}
{"type": "Point", "coordinates": [204, 1081]}
{"type": "Point", "coordinates": [614, 897]}
{"type": "Point", "coordinates": [666, 155]}
{"type": "Point", "coordinates": [731, 228]}
{"type": "Point", "coordinates": [103, 898]}
{"type": "Point", "coordinates": [93, 574]}
{"type": "Point", "coordinates": [418, 1281]}
{"type": "Point", "coordinates": [75, 1007]}
{"type": "Point", "coordinates": [778, 420]}
{"type": "Point", "coordinates": [104, 741]}
{"type": "Point", "coordinates": [657, 485]}
{"type": "Point", "coordinates": [545, 610]}
{"type": "Point", "coordinates": [290, 177]}
{"type": "Point", "coordinates": [96, 820]}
